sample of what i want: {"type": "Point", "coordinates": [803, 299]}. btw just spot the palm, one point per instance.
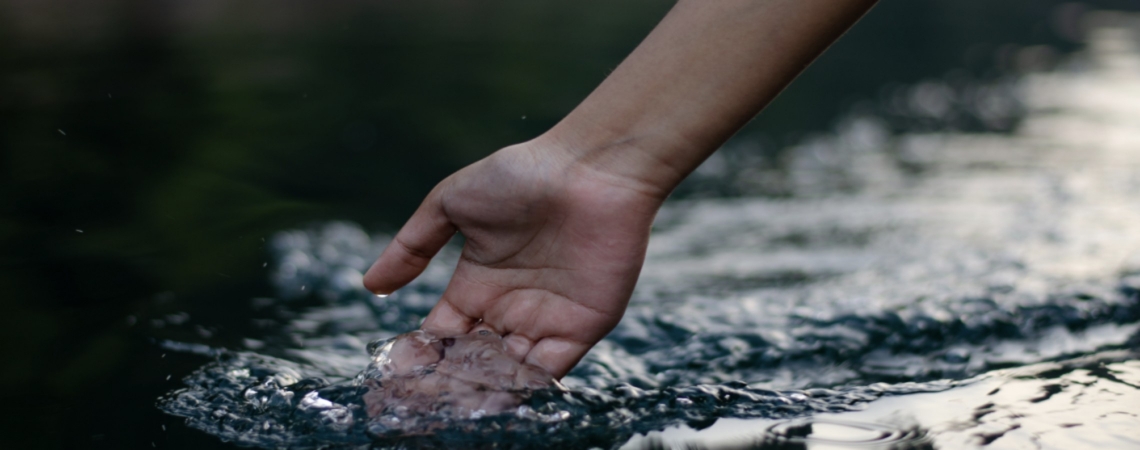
{"type": "Point", "coordinates": [550, 259]}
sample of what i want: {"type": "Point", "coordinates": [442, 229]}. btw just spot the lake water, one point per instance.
{"type": "Point", "coordinates": [912, 290]}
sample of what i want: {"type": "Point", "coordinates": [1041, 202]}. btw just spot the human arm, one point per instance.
{"type": "Point", "coordinates": [556, 228]}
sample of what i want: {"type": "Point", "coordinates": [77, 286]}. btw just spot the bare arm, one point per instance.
{"type": "Point", "coordinates": [705, 71]}
{"type": "Point", "coordinates": [557, 227]}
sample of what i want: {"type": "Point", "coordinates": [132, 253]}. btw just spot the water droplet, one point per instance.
{"type": "Point", "coordinates": [61, 132]}
{"type": "Point", "coordinates": [77, 230]}
{"type": "Point", "coordinates": [168, 377]}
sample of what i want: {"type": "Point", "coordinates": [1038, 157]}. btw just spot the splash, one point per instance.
{"type": "Point", "coordinates": [960, 261]}
{"type": "Point", "coordinates": [419, 383]}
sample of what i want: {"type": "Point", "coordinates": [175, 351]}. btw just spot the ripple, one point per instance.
{"type": "Point", "coordinates": [844, 434]}
{"type": "Point", "coordinates": [975, 299]}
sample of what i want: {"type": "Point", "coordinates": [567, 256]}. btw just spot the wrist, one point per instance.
{"type": "Point", "coordinates": [645, 159]}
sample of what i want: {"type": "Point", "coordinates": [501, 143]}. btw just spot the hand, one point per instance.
{"type": "Point", "coordinates": [557, 228]}
{"type": "Point", "coordinates": [553, 250]}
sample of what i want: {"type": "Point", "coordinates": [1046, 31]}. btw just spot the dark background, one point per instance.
{"type": "Point", "coordinates": [148, 147]}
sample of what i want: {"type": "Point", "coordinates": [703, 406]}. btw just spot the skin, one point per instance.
{"type": "Point", "coordinates": [556, 228]}
{"type": "Point", "coordinates": [417, 375]}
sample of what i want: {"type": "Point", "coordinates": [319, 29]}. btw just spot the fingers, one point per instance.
{"type": "Point", "coordinates": [462, 304]}
{"type": "Point", "coordinates": [557, 355]}
{"type": "Point", "coordinates": [446, 320]}
{"type": "Point", "coordinates": [539, 327]}
{"type": "Point", "coordinates": [412, 249]}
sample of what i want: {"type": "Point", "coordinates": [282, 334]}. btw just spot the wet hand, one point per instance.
{"type": "Point", "coordinates": [556, 228]}
{"type": "Point", "coordinates": [552, 252]}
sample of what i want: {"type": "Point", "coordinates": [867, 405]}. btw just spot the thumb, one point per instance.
{"type": "Point", "coordinates": [427, 231]}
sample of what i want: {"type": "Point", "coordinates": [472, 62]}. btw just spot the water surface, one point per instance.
{"type": "Point", "coordinates": [916, 290]}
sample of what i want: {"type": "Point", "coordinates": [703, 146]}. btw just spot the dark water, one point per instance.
{"type": "Point", "coordinates": [974, 289]}
{"type": "Point", "coordinates": [936, 248]}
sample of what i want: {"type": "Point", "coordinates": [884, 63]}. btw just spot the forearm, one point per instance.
{"type": "Point", "coordinates": [705, 71]}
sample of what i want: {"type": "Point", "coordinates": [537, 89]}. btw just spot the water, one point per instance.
{"type": "Point", "coordinates": [1074, 403]}
{"type": "Point", "coordinates": [913, 290]}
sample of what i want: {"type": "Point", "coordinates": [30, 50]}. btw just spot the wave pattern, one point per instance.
{"type": "Point", "coordinates": [969, 255]}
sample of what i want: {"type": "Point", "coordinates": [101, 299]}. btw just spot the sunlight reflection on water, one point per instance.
{"type": "Point", "coordinates": [982, 289]}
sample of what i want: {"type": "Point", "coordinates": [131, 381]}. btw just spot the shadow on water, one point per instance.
{"type": "Point", "coordinates": [152, 152]}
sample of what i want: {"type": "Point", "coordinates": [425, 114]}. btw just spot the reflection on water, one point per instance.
{"type": "Point", "coordinates": [977, 289]}
{"type": "Point", "coordinates": [1078, 403]}
{"type": "Point", "coordinates": [802, 433]}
